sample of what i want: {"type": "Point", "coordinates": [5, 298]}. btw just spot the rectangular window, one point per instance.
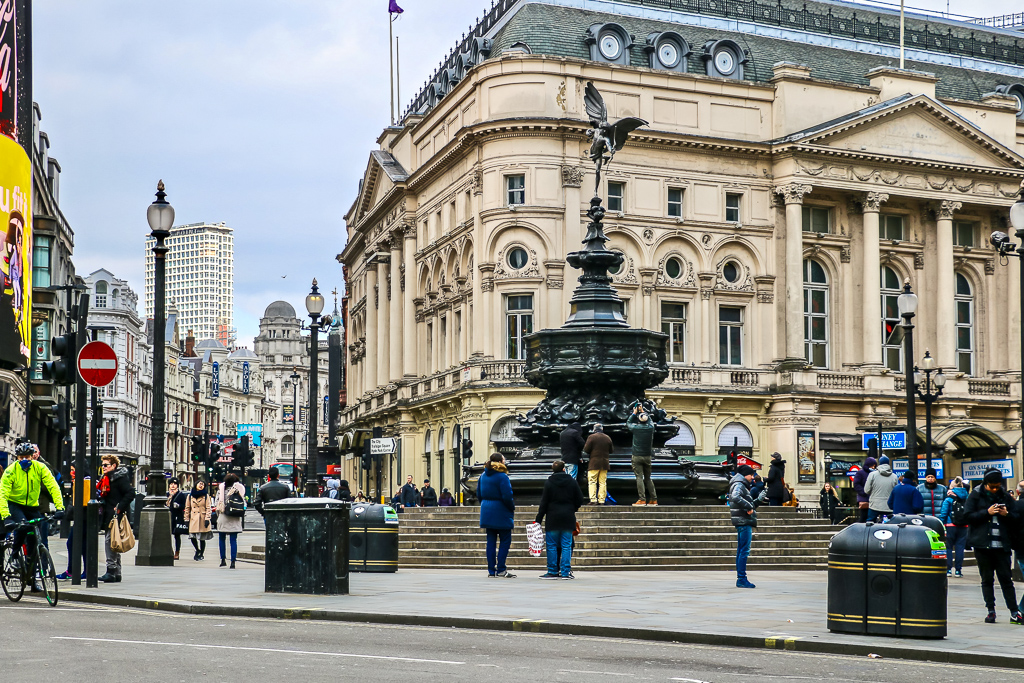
{"type": "Point", "coordinates": [458, 336]}
{"type": "Point", "coordinates": [892, 354]}
{"type": "Point", "coordinates": [443, 341]}
{"type": "Point", "coordinates": [890, 227]}
{"type": "Point", "coordinates": [730, 335]}
{"type": "Point", "coordinates": [963, 233]}
{"type": "Point", "coordinates": [516, 186]}
{"type": "Point", "coordinates": [41, 261]}
{"type": "Point", "coordinates": [675, 202]}
{"type": "Point", "coordinates": [673, 323]}
{"type": "Point", "coordinates": [965, 335]}
{"type": "Point", "coordinates": [732, 207]}
{"type": "Point", "coordinates": [816, 325]}
{"type": "Point", "coordinates": [519, 323]}
{"type": "Point", "coordinates": [817, 219]}
{"type": "Point", "coordinates": [616, 192]}
{"type": "Point", "coordinates": [430, 346]}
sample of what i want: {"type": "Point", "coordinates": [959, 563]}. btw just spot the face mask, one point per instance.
{"type": "Point", "coordinates": [25, 464]}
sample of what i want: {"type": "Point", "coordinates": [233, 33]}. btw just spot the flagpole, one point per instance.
{"type": "Point", "coordinates": [901, 34]}
{"type": "Point", "coordinates": [391, 65]}
{"type": "Point", "coordinates": [398, 78]}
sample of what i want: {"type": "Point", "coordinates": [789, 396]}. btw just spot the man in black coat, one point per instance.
{"type": "Point", "coordinates": [561, 499]}
{"type": "Point", "coordinates": [992, 524]}
{"type": "Point", "coordinates": [272, 491]}
{"type": "Point", "coordinates": [410, 496]}
{"type": "Point", "coordinates": [428, 496]}
{"type": "Point", "coordinates": [777, 480]}
{"type": "Point", "coordinates": [116, 492]}
{"type": "Point", "coordinates": [571, 441]}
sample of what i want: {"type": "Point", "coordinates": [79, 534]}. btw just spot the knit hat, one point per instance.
{"type": "Point", "coordinates": [776, 456]}
{"type": "Point", "coordinates": [993, 477]}
{"type": "Point", "coordinates": [884, 460]}
{"type": "Point", "coordinates": [910, 476]}
{"type": "Point", "coordinates": [745, 470]}
{"type": "Point", "coordinates": [930, 472]}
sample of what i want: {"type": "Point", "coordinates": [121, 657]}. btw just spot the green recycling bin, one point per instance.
{"type": "Point", "coordinates": [888, 580]}
{"type": "Point", "coordinates": [373, 538]}
{"type": "Point", "coordinates": [307, 546]}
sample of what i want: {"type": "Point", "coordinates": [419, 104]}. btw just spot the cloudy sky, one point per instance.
{"type": "Point", "coordinates": [260, 114]}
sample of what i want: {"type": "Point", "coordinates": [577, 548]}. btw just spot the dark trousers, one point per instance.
{"type": "Point", "coordinates": [956, 541]}
{"type": "Point", "coordinates": [644, 484]}
{"type": "Point", "coordinates": [498, 543]}
{"type": "Point", "coordinates": [996, 562]}
{"type": "Point", "coordinates": [862, 514]}
{"type": "Point", "coordinates": [20, 514]}
{"type": "Point", "coordinates": [234, 544]}
{"type": "Point", "coordinates": [71, 539]}
{"type": "Point", "coordinates": [744, 534]}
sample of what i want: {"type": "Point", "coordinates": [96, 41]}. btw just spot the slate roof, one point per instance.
{"type": "Point", "coordinates": [559, 31]}
{"type": "Point", "coordinates": [395, 172]}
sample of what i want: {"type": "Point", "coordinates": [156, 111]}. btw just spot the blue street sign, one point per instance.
{"type": "Point", "coordinates": [327, 405]}
{"type": "Point", "coordinates": [245, 377]}
{"type": "Point", "coordinates": [901, 466]}
{"type": "Point", "coordinates": [216, 380]}
{"type": "Point", "coordinates": [891, 441]}
{"type": "Point", "coordinates": [254, 431]}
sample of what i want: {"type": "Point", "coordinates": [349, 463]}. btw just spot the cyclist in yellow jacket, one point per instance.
{"type": "Point", "coordinates": [20, 488]}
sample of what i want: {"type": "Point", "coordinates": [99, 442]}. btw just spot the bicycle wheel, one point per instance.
{"type": "Point", "coordinates": [12, 576]}
{"type": "Point", "coordinates": [47, 574]}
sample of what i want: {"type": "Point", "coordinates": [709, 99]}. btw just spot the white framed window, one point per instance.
{"type": "Point", "coordinates": [616, 196]}
{"type": "Point", "coordinates": [673, 323]}
{"type": "Point", "coordinates": [518, 323]}
{"type": "Point", "coordinates": [964, 301]}
{"type": "Point", "coordinates": [675, 202]}
{"type": "Point", "coordinates": [963, 233]}
{"type": "Point", "coordinates": [892, 354]}
{"type": "Point", "coordinates": [817, 219]}
{"type": "Point", "coordinates": [733, 201]}
{"type": "Point", "coordinates": [515, 186]}
{"type": "Point", "coordinates": [890, 226]}
{"type": "Point", "coordinates": [101, 294]}
{"type": "Point", "coordinates": [815, 314]}
{"type": "Point", "coordinates": [730, 335]}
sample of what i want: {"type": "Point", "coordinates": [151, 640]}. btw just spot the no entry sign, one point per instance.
{"type": "Point", "coordinates": [97, 364]}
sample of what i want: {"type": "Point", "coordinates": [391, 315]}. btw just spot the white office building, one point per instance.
{"type": "Point", "coordinates": [200, 279]}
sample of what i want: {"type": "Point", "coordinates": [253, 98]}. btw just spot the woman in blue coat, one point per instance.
{"type": "Point", "coordinates": [497, 513]}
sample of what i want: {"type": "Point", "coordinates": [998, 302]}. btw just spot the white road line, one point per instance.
{"type": "Point", "coordinates": [599, 673]}
{"type": "Point", "coordinates": [256, 649]}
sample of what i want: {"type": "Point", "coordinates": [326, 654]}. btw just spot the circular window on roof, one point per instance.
{"type": "Point", "coordinates": [517, 258]}
{"type": "Point", "coordinates": [674, 268]}
{"type": "Point", "coordinates": [668, 54]}
{"type": "Point", "coordinates": [725, 61]}
{"type": "Point", "coordinates": [731, 272]}
{"type": "Point", "coordinates": [610, 45]}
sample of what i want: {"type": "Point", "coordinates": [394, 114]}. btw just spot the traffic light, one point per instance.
{"type": "Point", "coordinates": [197, 449]}
{"type": "Point", "coordinates": [467, 451]}
{"type": "Point", "coordinates": [214, 456]}
{"type": "Point", "coordinates": [62, 368]}
{"type": "Point", "coordinates": [57, 411]}
{"type": "Point", "coordinates": [242, 455]}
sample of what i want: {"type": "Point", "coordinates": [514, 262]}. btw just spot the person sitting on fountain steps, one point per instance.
{"type": "Point", "coordinates": [640, 425]}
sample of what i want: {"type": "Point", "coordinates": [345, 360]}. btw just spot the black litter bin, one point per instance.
{"type": "Point", "coordinates": [373, 538]}
{"type": "Point", "coordinates": [933, 523]}
{"type": "Point", "coordinates": [307, 546]}
{"type": "Point", "coordinates": [887, 579]}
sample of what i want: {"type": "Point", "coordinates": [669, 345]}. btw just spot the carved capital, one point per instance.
{"type": "Point", "coordinates": [792, 194]}
{"type": "Point", "coordinates": [873, 202]}
{"type": "Point", "coordinates": [948, 208]}
{"type": "Point", "coordinates": [845, 253]}
{"type": "Point", "coordinates": [572, 176]}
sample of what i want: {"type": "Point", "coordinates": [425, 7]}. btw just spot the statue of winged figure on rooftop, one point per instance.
{"type": "Point", "coordinates": [608, 138]}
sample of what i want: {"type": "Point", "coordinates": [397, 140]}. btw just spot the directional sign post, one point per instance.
{"type": "Point", "coordinates": [97, 364]}
{"type": "Point", "coordinates": [383, 446]}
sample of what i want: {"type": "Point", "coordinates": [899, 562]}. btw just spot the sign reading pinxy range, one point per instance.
{"type": "Point", "coordinates": [891, 441]}
{"type": "Point", "coordinates": [253, 431]}
{"type": "Point", "coordinates": [976, 470]}
{"type": "Point", "coordinates": [215, 385]}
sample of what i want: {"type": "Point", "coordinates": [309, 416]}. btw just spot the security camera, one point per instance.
{"type": "Point", "coordinates": [1001, 241]}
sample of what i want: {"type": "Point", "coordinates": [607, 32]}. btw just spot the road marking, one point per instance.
{"type": "Point", "coordinates": [688, 680]}
{"type": "Point", "coordinates": [255, 649]}
{"type": "Point", "coordinates": [599, 673]}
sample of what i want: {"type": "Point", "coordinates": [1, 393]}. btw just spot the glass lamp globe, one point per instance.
{"type": "Point", "coordinates": [907, 302]}
{"type": "Point", "coordinates": [314, 301]}
{"type": "Point", "coordinates": [160, 213]}
{"type": "Point", "coordinates": [939, 380]}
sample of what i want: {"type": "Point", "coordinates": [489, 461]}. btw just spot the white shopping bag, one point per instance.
{"type": "Point", "coordinates": [535, 535]}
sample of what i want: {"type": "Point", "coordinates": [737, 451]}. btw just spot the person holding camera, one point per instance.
{"type": "Point", "coordinates": [639, 423]}
{"type": "Point", "coordinates": [992, 519]}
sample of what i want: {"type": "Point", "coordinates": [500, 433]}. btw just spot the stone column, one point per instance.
{"type": "Point", "coordinates": [945, 309]}
{"type": "Point", "coordinates": [409, 368]}
{"type": "Point", "coordinates": [380, 301]}
{"type": "Point", "coordinates": [370, 359]}
{"type": "Point", "coordinates": [489, 312]}
{"type": "Point", "coordinates": [871, 279]}
{"type": "Point", "coordinates": [708, 320]}
{"type": "Point", "coordinates": [793, 195]}
{"type": "Point", "coordinates": [395, 295]}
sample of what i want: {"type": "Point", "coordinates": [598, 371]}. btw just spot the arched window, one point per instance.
{"type": "Point", "coordinates": [426, 442]}
{"type": "Point", "coordinates": [964, 325]}
{"type": "Point", "coordinates": [440, 440]}
{"type": "Point", "coordinates": [101, 294]}
{"type": "Point", "coordinates": [892, 354]}
{"type": "Point", "coordinates": [815, 314]}
{"type": "Point", "coordinates": [735, 434]}
{"type": "Point", "coordinates": [684, 440]}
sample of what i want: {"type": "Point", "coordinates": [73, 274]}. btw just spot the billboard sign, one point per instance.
{"type": "Point", "coordinates": [253, 431]}
{"type": "Point", "coordinates": [288, 413]}
{"type": "Point", "coordinates": [245, 377]}
{"type": "Point", "coordinates": [976, 470]}
{"type": "Point", "coordinates": [216, 380]}
{"type": "Point", "coordinates": [901, 466]}
{"type": "Point", "coordinates": [891, 441]}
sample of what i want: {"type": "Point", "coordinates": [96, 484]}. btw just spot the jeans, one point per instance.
{"type": "Point", "coordinates": [71, 539]}
{"type": "Point", "coordinates": [559, 542]}
{"type": "Point", "coordinates": [956, 541]}
{"type": "Point", "coordinates": [234, 544]}
{"type": "Point", "coordinates": [598, 485]}
{"type": "Point", "coordinates": [496, 556]}
{"type": "Point", "coordinates": [20, 514]}
{"type": "Point", "coordinates": [644, 485]}
{"type": "Point", "coordinates": [774, 502]}
{"type": "Point", "coordinates": [572, 470]}
{"type": "Point", "coordinates": [877, 515]}
{"type": "Point", "coordinates": [113, 558]}
{"type": "Point", "coordinates": [744, 534]}
{"type": "Point", "coordinates": [997, 562]}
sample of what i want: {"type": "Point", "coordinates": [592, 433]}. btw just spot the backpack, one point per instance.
{"type": "Point", "coordinates": [234, 506]}
{"type": "Point", "coordinates": [958, 513]}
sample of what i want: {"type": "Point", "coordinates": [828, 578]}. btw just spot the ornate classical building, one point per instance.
{"type": "Point", "coordinates": [791, 179]}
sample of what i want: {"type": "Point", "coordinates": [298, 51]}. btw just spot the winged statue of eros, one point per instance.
{"type": "Point", "coordinates": [608, 138]}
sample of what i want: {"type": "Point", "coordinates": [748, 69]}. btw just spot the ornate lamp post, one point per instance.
{"type": "Point", "coordinates": [929, 389]}
{"type": "Point", "coordinates": [314, 306]}
{"type": "Point", "coordinates": [907, 305]}
{"type": "Point", "coordinates": [828, 467]}
{"type": "Point", "coordinates": [1001, 241]}
{"type": "Point", "coordinates": [295, 423]}
{"type": "Point", "coordinates": [155, 523]}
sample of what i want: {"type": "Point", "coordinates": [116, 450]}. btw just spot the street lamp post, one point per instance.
{"type": "Point", "coordinates": [295, 424]}
{"type": "Point", "coordinates": [314, 306]}
{"type": "Point", "coordinates": [907, 305]}
{"type": "Point", "coordinates": [929, 389]}
{"type": "Point", "coordinates": [1001, 241]}
{"type": "Point", "coordinates": [828, 467]}
{"type": "Point", "coordinates": [155, 521]}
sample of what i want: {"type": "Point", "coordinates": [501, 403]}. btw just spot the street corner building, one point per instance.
{"type": "Point", "coordinates": [791, 179]}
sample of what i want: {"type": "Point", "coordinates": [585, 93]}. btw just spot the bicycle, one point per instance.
{"type": "Point", "coordinates": [16, 572]}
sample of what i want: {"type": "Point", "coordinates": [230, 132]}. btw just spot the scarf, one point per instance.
{"type": "Point", "coordinates": [196, 493]}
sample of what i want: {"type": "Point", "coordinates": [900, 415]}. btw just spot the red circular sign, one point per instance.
{"type": "Point", "coordinates": [97, 364]}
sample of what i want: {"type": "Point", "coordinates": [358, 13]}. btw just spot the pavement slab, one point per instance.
{"type": "Point", "coordinates": [785, 611]}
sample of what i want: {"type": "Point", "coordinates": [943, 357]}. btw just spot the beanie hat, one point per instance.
{"type": "Point", "coordinates": [776, 456]}
{"type": "Point", "coordinates": [745, 470]}
{"type": "Point", "coordinates": [930, 472]}
{"type": "Point", "coordinates": [993, 477]}
{"type": "Point", "coordinates": [910, 475]}
{"type": "Point", "coordinates": [884, 460]}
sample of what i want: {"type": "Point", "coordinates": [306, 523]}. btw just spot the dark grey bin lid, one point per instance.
{"type": "Point", "coordinates": [302, 504]}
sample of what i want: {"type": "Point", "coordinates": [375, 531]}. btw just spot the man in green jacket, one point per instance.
{"type": "Point", "coordinates": [639, 423]}
{"type": "Point", "coordinates": [20, 488]}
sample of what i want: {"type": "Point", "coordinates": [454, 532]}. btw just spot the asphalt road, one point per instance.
{"type": "Point", "coordinates": [100, 644]}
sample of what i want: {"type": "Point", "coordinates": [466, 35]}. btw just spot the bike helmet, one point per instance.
{"type": "Point", "coordinates": [24, 450]}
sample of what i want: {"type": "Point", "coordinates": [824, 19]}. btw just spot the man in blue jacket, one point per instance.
{"type": "Point", "coordinates": [905, 499]}
{"type": "Point", "coordinates": [933, 492]}
{"type": "Point", "coordinates": [743, 514]}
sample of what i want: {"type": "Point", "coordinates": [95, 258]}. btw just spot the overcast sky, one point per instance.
{"type": "Point", "coordinates": [260, 114]}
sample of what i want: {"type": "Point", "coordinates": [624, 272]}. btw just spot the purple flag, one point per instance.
{"type": "Point", "coordinates": [393, 8]}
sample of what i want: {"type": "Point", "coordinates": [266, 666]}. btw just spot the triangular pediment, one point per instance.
{"type": "Point", "coordinates": [383, 172]}
{"type": "Point", "coordinates": [909, 127]}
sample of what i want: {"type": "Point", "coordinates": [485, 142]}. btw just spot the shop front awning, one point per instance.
{"type": "Point", "coordinates": [353, 440]}
{"type": "Point", "coordinates": [968, 440]}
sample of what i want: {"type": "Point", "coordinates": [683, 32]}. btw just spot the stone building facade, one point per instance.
{"type": "Point", "coordinates": [787, 185]}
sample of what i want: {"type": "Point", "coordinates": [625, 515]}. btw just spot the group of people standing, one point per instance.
{"type": "Point", "coordinates": [426, 497]}
{"type": "Point", "coordinates": [192, 515]}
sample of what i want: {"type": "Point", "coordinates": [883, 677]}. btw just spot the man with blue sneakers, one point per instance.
{"type": "Point", "coordinates": [743, 511]}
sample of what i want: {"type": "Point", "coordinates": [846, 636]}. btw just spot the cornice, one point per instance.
{"type": "Point", "coordinates": [795, 149]}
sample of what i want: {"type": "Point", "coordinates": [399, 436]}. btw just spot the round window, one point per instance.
{"type": "Point", "coordinates": [517, 258]}
{"type": "Point", "coordinates": [668, 54]}
{"type": "Point", "coordinates": [731, 272]}
{"type": "Point", "coordinates": [1020, 101]}
{"type": "Point", "coordinates": [615, 270]}
{"type": "Point", "coordinates": [610, 45]}
{"type": "Point", "coordinates": [674, 268]}
{"type": "Point", "coordinates": [725, 61]}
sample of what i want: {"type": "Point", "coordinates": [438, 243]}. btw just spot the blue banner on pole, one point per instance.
{"type": "Point", "coordinates": [215, 387]}
{"type": "Point", "coordinates": [327, 404]}
{"type": "Point", "coordinates": [245, 377]}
